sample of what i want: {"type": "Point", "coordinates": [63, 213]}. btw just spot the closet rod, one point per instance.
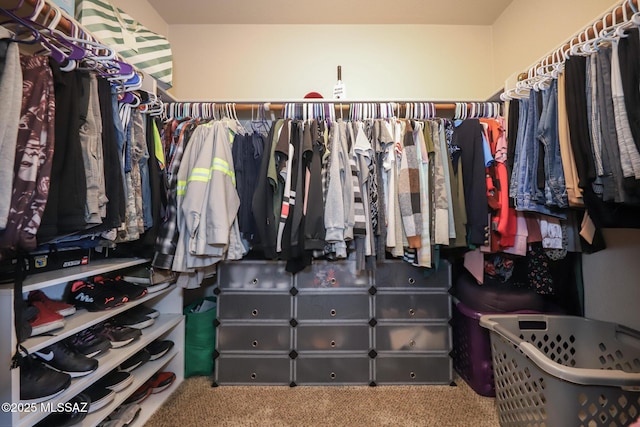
{"type": "Point", "coordinates": [609, 20]}
{"type": "Point", "coordinates": [28, 7]}
{"type": "Point", "coordinates": [338, 104]}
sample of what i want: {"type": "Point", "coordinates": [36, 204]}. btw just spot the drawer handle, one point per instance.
{"type": "Point", "coordinates": [254, 375]}
{"type": "Point", "coordinates": [412, 343]}
{"type": "Point", "coordinates": [412, 375]}
{"type": "Point", "coordinates": [412, 281]}
{"type": "Point", "coordinates": [333, 343]}
{"type": "Point", "coordinates": [332, 375]}
{"type": "Point", "coordinates": [254, 343]}
{"type": "Point", "coordinates": [254, 313]}
{"type": "Point", "coordinates": [333, 280]}
{"type": "Point", "coordinates": [255, 281]}
{"type": "Point", "coordinates": [333, 312]}
{"type": "Point", "coordinates": [412, 312]}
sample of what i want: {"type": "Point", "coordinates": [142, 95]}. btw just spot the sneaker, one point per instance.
{"type": "Point", "coordinates": [95, 298]}
{"type": "Point", "coordinates": [151, 277]}
{"type": "Point", "coordinates": [158, 348]}
{"type": "Point", "coordinates": [62, 358]}
{"type": "Point", "coordinates": [135, 361]}
{"type": "Point", "coordinates": [125, 413]}
{"type": "Point", "coordinates": [161, 381]}
{"type": "Point", "coordinates": [88, 343]}
{"type": "Point", "coordinates": [116, 380]}
{"type": "Point", "coordinates": [39, 383]}
{"type": "Point", "coordinates": [62, 308]}
{"type": "Point", "coordinates": [132, 291]}
{"type": "Point", "coordinates": [112, 423]}
{"type": "Point", "coordinates": [118, 335]}
{"type": "Point", "coordinates": [146, 311]}
{"type": "Point", "coordinates": [139, 395]}
{"type": "Point", "coordinates": [100, 397]}
{"type": "Point", "coordinates": [133, 320]}
{"type": "Point", "coordinates": [46, 320]}
{"type": "Point", "coordinates": [75, 410]}
{"type": "Point", "coordinates": [29, 313]}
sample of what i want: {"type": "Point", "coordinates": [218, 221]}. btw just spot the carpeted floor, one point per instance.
{"type": "Point", "coordinates": [196, 403]}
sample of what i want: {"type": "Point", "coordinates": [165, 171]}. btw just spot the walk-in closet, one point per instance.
{"type": "Point", "coordinates": [305, 214]}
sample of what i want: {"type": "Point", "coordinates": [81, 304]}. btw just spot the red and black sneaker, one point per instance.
{"type": "Point", "coordinates": [94, 297]}
{"type": "Point", "coordinates": [131, 290]}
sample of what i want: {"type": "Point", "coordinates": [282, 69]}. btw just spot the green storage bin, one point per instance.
{"type": "Point", "coordinates": [200, 338]}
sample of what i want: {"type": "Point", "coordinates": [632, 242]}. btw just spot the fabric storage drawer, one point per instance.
{"type": "Point", "coordinates": [240, 369]}
{"type": "Point", "coordinates": [333, 337]}
{"type": "Point", "coordinates": [332, 370]}
{"type": "Point", "coordinates": [413, 306]}
{"type": "Point", "coordinates": [416, 369]}
{"type": "Point", "coordinates": [338, 274]}
{"type": "Point", "coordinates": [254, 338]}
{"type": "Point", "coordinates": [413, 337]}
{"type": "Point", "coordinates": [254, 275]}
{"type": "Point", "coordinates": [333, 307]}
{"type": "Point", "coordinates": [399, 274]}
{"type": "Point", "coordinates": [255, 306]}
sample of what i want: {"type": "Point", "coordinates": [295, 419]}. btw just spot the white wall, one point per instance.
{"type": "Point", "coordinates": [280, 62]}
{"type": "Point", "coordinates": [612, 279]}
{"type": "Point", "coordinates": [528, 30]}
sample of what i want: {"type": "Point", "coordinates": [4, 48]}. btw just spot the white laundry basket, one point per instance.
{"type": "Point", "coordinates": [564, 371]}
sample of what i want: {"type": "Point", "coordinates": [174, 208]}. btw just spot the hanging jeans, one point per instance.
{"type": "Point", "coordinates": [523, 107]}
{"type": "Point", "coordinates": [529, 197]}
{"type": "Point", "coordinates": [555, 191]}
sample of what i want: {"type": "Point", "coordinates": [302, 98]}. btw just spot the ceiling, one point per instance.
{"type": "Point", "coordinates": [431, 12]}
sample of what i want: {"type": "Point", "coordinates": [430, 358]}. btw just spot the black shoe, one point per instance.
{"type": "Point", "coordinates": [94, 297]}
{"type": "Point", "coordinates": [75, 410]}
{"type": "Point", "coordinates": [116, 380]}
{"type": "Point", "coordinates": [131, 290]}
{"type": "Point", "coordinates": [63, 358]}
{"type": "Point", "coordinates": [100, 397]}
{"type": "Point", "coordinates": [135, 361]}
{"type": "Point", "coordinates": [145, 311]}
{"type": "Point", "coordinates": [118, 335]}
{"type": "Point", "coordinates": [39, 383]}
{"type": "Point", "coordinates": [133, 320]}
{"type": "Point", "coordinates": [24, 330]}
{"type": "Point", "coordinates": [158, 348]}
{"type": "Point", "coordinates": [88, 343]}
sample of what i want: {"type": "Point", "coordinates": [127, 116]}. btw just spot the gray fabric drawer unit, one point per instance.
{"type": "Point", "coordinates": [332, 275]}
{"type": "Point", "coordinates": [254, 275]}
{"type": "Point", "coordinates": [312, 370]}
{"type": "Point", "coordinates": [262, 370]}
{"type": "Point", "coordinates": [254, 307]}
{"type": "Point", "coordinates": [330, 325]}
{"type": "Point", "coordinates": [333, 337]}
{"type": "Point", "coordinates": [410, 306]}
{"type": "Point", "coordinates": [394, 274]}
{"type": "Point", "coordinates": [413, 338]}
{"type": "Point", "coordinates": [414, 369]}
{"type": "Point", "coordinates": [331, 306]}
{"type": "Point", "coordinates": [254, 338]}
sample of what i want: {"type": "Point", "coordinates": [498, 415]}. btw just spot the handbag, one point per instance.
{"type": "Point", "coordinates": [139, 46]}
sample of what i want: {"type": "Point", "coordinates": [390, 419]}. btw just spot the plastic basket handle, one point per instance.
{"type": "Point", "coordinates": [585, 376]}
{"type": "Point", "coordinates": [628, 336]}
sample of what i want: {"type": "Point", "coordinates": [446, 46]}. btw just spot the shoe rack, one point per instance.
{"type": "Point", "coordinates": [169, 325]}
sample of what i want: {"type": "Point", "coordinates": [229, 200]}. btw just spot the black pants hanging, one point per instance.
{"type": "Point", "coordinates": [575, 92]}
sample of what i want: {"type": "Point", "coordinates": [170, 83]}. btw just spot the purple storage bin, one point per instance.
{"type": "Point", "coordinates": [471, 353]}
